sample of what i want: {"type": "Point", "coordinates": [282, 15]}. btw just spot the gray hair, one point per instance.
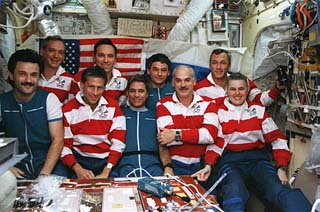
{"type": "Point", "coordinates": [191, 71]}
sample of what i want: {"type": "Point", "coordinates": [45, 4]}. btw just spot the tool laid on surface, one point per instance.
{"type": "Point", "coordinates": [155, 187]}
{"type": "Point", "coordinates": [158, 188]}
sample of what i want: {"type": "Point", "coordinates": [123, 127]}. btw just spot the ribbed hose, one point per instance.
{"type": "Point", "coordinates": [194, 12]}
{"type": "Point", "coordinates": [99, 16]}
{"type": "Point", "coordinates": [45, 23]}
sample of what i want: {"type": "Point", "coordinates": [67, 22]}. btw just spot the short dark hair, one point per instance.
{"type": "Point", "coordinates": [104, 41]}
{"type": "Point", "coordinates": [44, 42]}
{"type": "Point", "coordinates": [220, 51]}
{"type": "Point", "coordinates": [159, 57]}
{"type": "Point", "coordinates": [94, 71]}
{"type": "Point", "coordinates": [25, 55]}
{"type": "Point", "coordinates": [138, 78]}
{"type": "Point", "coordinates": [237, 76]}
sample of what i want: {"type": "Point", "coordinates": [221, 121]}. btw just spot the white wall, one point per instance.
{"type": "Point", "coordinates": [257, 19]}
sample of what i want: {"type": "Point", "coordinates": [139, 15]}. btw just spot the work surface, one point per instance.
{"type": "Point", "coordinates": [119, 194]}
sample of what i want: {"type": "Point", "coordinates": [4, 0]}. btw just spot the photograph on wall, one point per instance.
{"type": "Point", "coordinates": [111, 4]}
{"type": "Point", "coordinates": [171, 3]}
{"type": "Point", "coordinates": [218, 21]}
{"type": "Point", "coordinates": [220, 4]}
{"type": "Point", "coordinates": [141, 4]}
{"type": "Point", "coordinates": [234, 35]}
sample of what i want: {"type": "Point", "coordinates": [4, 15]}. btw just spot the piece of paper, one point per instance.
{"type": "Point", "coordinates": [119, 199]}
{"type": "Point", "coordinates": [135, 27]}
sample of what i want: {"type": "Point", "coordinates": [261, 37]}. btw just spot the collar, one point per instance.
{"type": "Point", "coordinates": [140, 109]}
{"type": "Point", "coordinates": [232, 107]}
{"type": "Point", "coordinates": [196, 98]}
{"type": "Point", "coordinates": [116, 73]}
{"type": "Point", "coordinates": [211, 80]}
{"type": "Point", "coordinates": [166, 84]}
{"type": "Point", "coordinates": [57, 74]}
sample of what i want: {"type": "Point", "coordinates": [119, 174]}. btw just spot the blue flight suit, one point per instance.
{"type": "Point", "coordinates": [155, 94]}
{"type": "Point", "coordinates": [28, 122]}
{"type": "Point", "coordinates": [254, 166]}
{"type": "Point", "coordinates": [142, 151]}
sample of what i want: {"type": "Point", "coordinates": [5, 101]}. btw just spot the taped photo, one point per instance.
{"type": "Point", "coordinates": [218, 21]}
{"type": "Point", "coordinates": [171, 3]}
{"type": "Point", "coordinates": [141, 4]}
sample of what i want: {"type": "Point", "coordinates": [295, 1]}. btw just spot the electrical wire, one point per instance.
{"type": "Point", "coordinates": [288, 54]}
{"type": "Point", "coordinates": [22, 13]}
{"type": "Point", "coordinates": [133, 172]}
{"type": "Point", "coordinates": [305, 27]}
{"type": "Point", "coordinates": [176, 178]}
{"type": "Point", "coordinates": [315, 204]}
{"type": "Point", "coordinates": [214, 186]}
{"type": "Point", "coordinates": [196, 190]}
{"type": "Point", "coordinates": [17, 10]}
{"type": "Point", "coordinates": [183, 207]}
{"type": "Point", "coordinates": [237, 3]}
{"type": "Point", "coordinates": [305, 21]}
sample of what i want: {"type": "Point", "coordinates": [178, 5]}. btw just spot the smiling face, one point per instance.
{"type": "Point", "coordinates": [158, 73]}
{"type": "Point", "coordinates": [219, 66]}
{"type": "Point", "coordinates": [137, 94]}
{"type": "Point", "coordinates": [105, 57]}
{"type": "Point", "coordinates": [183, 81]}
{"type": "Point", "coordinates": [53, 54]}
{"type": "Point", "coordinates": [92, 90]}
{"type": "Point", "coordinates": [25, 77]}
{"type": "Point", "coordinates": [237, 91]}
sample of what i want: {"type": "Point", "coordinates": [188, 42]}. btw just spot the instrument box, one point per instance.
{"type": "Point", "coordinates": [8, 149]}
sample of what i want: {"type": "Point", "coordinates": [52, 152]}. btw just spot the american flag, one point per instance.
{"type": "Point", "coordinates": [79, 54]}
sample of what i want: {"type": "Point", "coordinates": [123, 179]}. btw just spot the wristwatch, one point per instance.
{"type": "Point", "coordinates": [283, 168]}
{"type": "Point", "coordinates": [168, 165]}
{"type": "Point", "coordinates": [109, 166]}
{"type": "Point", "coordinates": [178, 136]}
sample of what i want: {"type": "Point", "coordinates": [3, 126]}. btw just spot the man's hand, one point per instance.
{"type": "Point", "coordinates": [282, 176]}
{"type": "Point", "coordinates": [104, 174]}
{"type": "Point", "coordinates": [82, 173]}
{"type": "Point", "coordinates": [166, 136]}
{"type": "Point", "coordinates": [203, 174]}
{"type": "Point", "coordinates": [278, 86]}
{"type": "Point", "coordinates": [17, 172]}
{"type": "Point", "coordinates": [168, 171]}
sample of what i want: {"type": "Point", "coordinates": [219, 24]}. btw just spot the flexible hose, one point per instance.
{"type": "Point", "coordinates": [314, 206]}
{"type": "Point", "coordinates": [99, 16]}
{"type": "Point", "coordinates": [194, 12]}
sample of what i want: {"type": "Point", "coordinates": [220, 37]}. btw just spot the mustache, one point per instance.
{"type": "Point", "coordinates": [183, 88]}
{"type": "Point", "coordinates": [28, 83]}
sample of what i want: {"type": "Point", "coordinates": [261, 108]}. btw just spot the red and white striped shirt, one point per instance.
{"type": "Point", "coordinates": [61, 84]}
{"type": "Point", "coordinates": [207, 87]}
{"type": "Point", "coordinates": [197, 123]}
{"type": "Point", "coordinates": [98, 134]}
{"type": "Point", "coordinates": [115, 89]}
{"type": "Point", "coordinates": [249, 127]}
